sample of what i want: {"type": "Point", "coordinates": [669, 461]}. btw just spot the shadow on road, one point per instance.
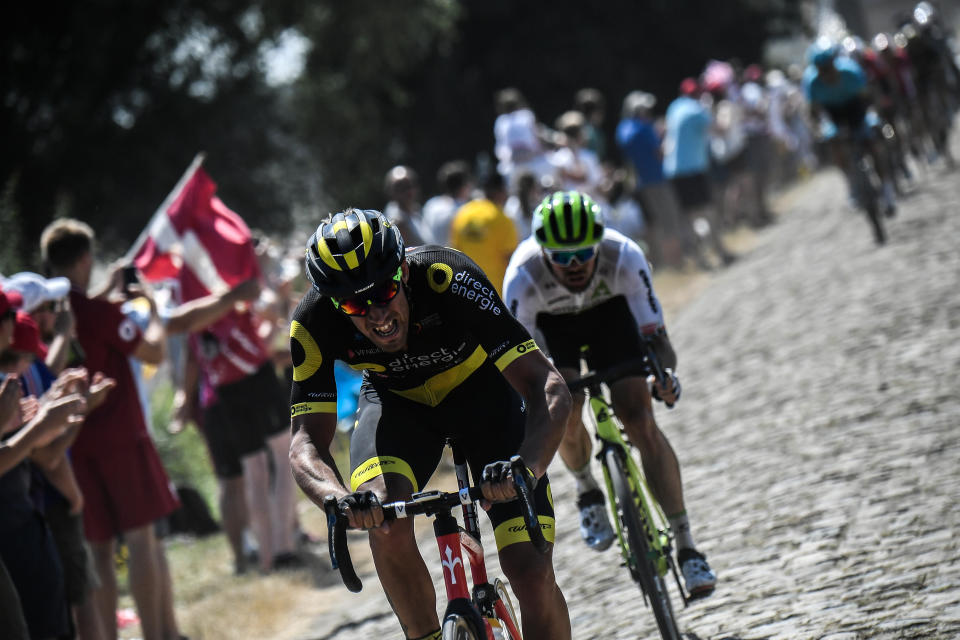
{"type": "Point", "coordinates": [353, 624]}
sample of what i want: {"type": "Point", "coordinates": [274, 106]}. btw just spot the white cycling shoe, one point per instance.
{"type": "Point", "coordinates": [595, 527]}
{"type": "Point", "coordinates": [698, 577]}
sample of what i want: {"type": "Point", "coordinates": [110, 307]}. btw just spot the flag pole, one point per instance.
{"type": "Point", "coordinates": [197, 161]}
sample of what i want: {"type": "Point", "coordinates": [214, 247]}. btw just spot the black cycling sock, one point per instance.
{"type": "Point", "coordinates": [433, 635]}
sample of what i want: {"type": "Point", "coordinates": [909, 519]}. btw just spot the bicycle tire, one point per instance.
{"type": "Point", "coordinates": [869, 198]}
{"type": "Point", "coordinates": [504, 594]}
{"type": "Point", "coordinates": [462, 622]}
{"type": "Point", "coordinates": [651, 583]}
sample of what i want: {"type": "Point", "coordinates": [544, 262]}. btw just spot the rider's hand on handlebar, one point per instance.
{"type": "Point", "coordinates": [496, 482]}
{"type": "Point", "coordinates": [669, 392]}
{"type": "Point", "coordinates": [362, 509]}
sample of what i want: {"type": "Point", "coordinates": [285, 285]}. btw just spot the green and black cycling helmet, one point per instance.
{"type": "Point", "coordinates": [351, 251]}
{"type": "Point", "coordinates": [567, 220]}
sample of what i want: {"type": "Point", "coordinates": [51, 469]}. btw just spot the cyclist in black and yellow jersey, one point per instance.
{"type": "Point", "coordinates": [441, 357]}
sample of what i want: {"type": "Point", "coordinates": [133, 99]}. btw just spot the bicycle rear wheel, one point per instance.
{"type": "Point", "coordinates": [651, 582]}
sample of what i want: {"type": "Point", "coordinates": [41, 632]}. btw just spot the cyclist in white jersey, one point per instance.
{"type": "Point", "coordinates": [575, 283]}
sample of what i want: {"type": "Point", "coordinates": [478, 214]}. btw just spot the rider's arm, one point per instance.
{"type": "Point", "coordinates": [548, 406]}
{"type": "Point", "coordinates": [635, 281]}
{"type": "Point", "coordinates": [310, 459]}
{"type": "Point", "coordinates": [664, 350]}
{"type": "Point", "coordinates": [313, 401]}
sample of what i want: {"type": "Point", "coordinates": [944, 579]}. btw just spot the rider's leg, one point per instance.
{"type": "Point", "coordinates": [542, 605]}
{"type": "Point", "coordinates": [576, 446]}
{"type": "Point", "coordinates": [631, 401]}
{"type": "Point", "coordinates": [400, 567]}
{"type": "Point", "coordinates": [633, 405]}
{"type": "Point", "coordinates": [575, 451]}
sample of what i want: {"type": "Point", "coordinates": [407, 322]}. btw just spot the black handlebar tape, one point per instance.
{"type": "Point", "coordinates": [337, 544]}
{"type": "Point", "coordinates": [521, 482]}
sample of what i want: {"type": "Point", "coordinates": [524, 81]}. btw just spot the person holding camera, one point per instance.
{"type": "Point", "coordinates": [125, 488]}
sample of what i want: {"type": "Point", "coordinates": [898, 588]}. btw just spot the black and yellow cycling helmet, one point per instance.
{"type": "Point", "coordinates": [351, 251]}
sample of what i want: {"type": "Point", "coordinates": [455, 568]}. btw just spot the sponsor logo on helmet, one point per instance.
{"type": "Point", "coordinates": [362, 289]}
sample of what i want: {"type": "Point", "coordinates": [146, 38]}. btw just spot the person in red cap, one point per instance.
{"type": "Point", "coordinates": [25, 344]}
{"type": "Point", "coordinates": [9, 302]}
{"type": "Point", "coordinates": [690, 87]}
{"type": "Point", "coordinates": [32, 602]}
{"type": "Point", "coordinates": [686, 162]}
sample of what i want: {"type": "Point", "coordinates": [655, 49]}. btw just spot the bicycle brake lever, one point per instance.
{"type": "Point", "coordinates": [523, 483]}
{"type": "Point", "coordinates": [337, 545]}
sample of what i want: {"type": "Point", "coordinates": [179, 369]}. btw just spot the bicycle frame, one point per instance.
{"type": "Point", "coordinates": [450, 537]}
{"type": "Point", "coordinates": [610, 436]}
{"type": "Point", "coordinates": [654, 522]}
{"type": "Point", "coordinates": [488, 607]}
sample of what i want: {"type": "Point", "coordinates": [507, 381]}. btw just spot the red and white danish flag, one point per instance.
{"type": "Point", "coordinates": [196, 239]}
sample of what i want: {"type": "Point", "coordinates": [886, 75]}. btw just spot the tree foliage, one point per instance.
{"type": "Point", "coordinates": [104, 103]}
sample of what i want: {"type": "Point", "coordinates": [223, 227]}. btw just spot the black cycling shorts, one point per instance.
{"type": "Point", "coordinates": [246, 414]}
{"type": "Point", "coordinates": [609, 329]}
{"type": "Point", "coordinates": [484, 415]}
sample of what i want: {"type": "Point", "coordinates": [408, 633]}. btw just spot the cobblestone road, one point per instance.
{"type": "Point", "coordinates": [818, 435]}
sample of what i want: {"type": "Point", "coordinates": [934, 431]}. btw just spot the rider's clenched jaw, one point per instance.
{"type": "Point", "coordinates": [388, 326]}
{"type": "Point", "coordinates": [574, 276]}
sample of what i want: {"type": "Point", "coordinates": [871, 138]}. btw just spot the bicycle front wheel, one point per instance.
{"type": "Point", "coordinates": [640, 557]}
{"type": "Point", "coordinates": [868, 197]}
{"type": "Point", "coordinates": [462, 622]}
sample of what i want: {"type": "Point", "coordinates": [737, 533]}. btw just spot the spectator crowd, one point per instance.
{"type": "Point", "coordinates": [79, 472]}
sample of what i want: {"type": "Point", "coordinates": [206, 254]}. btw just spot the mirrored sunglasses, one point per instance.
{"type": "Point", "coordinates": [380, 295]}
{"type": "Point", "coordinates": [566, 258]}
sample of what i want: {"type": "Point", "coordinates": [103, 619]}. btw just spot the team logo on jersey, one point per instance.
{"type": "Point", "coordinates": [312, 358]}
{"type": "Point", "coordinates": [650, 299]}
{"type": "Point", "coordinates": [353, 353]}
{"type": "Point", "coordinates": [410, 362]}
{"type": "Point", "coordinates": [601, 290]}
{"type": "Point", "coordinates": [467, 286]}
{"type": "Point", "coordinates": [439, 276]}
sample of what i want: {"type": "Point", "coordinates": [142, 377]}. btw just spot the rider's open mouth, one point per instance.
{"type": "Point", "coordinates": [386, 330]}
